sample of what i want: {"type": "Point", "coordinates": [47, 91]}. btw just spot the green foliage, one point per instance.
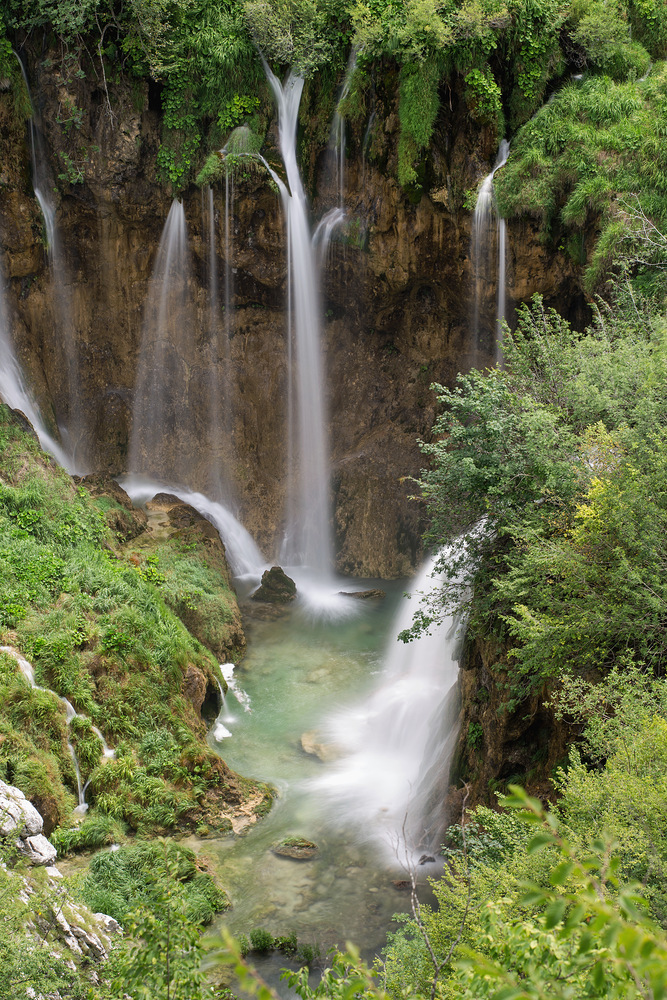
{"type": "Point", "coordinates": [122, 881]}
{"type": "Point", "coordinates": [96, 830]}
{"type": "Point", "coordinates": [98, 633]}
{"type": "Point", "coordinates": [302, 34]}
{"type": "Point", "coordinates": [162, 952]}
{"type": "Point", "coordinates": [577, 162]}
{"type": "Point", "coordinates": [484, 99]}
{"type": "Point", "coordinates": [417, 111]}
{"type": "Point", "coordinates": [648, 19]}
{"type": "Point", "coordinates": [261, 940]}
{"type": "Point", "coordinates": [562, 453]}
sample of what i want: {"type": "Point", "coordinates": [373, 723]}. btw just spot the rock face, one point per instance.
{"type": "Point", "coordinates": [396, 296]}
{"type": "Point", "coordinates": [276, 587]}
{"type": "Point", "coordinates": [494, 744]}
{"type": "Point", "coordinates": [85, 935]}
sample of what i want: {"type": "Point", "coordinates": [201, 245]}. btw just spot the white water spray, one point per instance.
{"type": "Point", "coordinates": [482, 249]}
{"type": "Point", "coordinates": [308, 536]}
{"type": "Point", "coordinates": [392, 776]}
{"type": "Point", "coordinates": [336, 148]}
{"type": "Point", "coordinates": [73, 426]}
{"type": "Point", "coordinates": [161, 407]}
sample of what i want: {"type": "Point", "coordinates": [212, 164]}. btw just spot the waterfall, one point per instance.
{"type": "Point", "coordinates": [482, 246]}
{"type": "Point", "coordinates": [395, 747]}
{"type": "Point", "coordinates": [14, 392]}
{"type": "Point", "coordinates": [28, 672]}
{"type": "Point", "coordinates": [217, 372]}
{"type": "Point", "coordinates": [72, 425]}
{"type": "Point", "coordinates": [308, 535]}
{"type": "Point", "coordinates": [161, 410]}
{"type": "Point", "coordinates": [336, 148]}
{"type": "Point", "coordinates": [244, 557]}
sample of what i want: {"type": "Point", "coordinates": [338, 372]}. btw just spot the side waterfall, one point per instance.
{"type": "Point", "coordinates": [26, 669]}
{"type": "Point", "coordinates": [14, 392]}
{"type": "Point", "coordinates": [391, 778]}
{"type": "Point", "coordinates": [308, 536]}
{"type": "Point", "coordinates": [336, 149]}
{"type": "Point", "coordinates": [72, 424]}
{"type": "Point", "coordinates": [243, 555]}
{"type": "Point", "coordinates": [167, 344]}
{"type": "Point", "coordinates": [482, 249]}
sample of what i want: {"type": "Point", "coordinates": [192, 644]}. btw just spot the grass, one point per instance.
{"type": "Point", "coordinates": [97, 626]}
{"type": "Point", "coordinates": [577, 165]}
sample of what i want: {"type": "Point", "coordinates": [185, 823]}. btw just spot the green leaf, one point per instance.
{"type": "Point", "coordinates": [539, 841]}
{"type": "Point", "coordinates": [554, 913]}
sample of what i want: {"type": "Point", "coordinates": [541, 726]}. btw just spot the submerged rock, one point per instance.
{"type": "Point", "coordinates": [363, 595]}
{"type": "Point", "coordinates": [276, 587]}
{"type": "Point", "coordinates": [297, 848]}
{"type": "Point", "coordinates": [311, 744]}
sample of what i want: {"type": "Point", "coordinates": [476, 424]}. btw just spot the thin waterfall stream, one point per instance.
{"type": "Point", "coordinates": [16, 394]}
{"type": "Point", "coordinates": [28, 672]}
{"type": "Point", "coordinates": [489, 232]}
{"type": "Point", "coordinates": [72, 423]}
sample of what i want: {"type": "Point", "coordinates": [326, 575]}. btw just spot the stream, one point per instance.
{"type": "Point", "coordinates": [297, 673]}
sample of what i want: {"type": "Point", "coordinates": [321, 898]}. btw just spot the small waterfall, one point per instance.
{"type": "Point", "coordinates": [161, 410]}
{"type": "Point", "coordinates": [14, 392]}
{"type": "Point", "coordinates": [336, 148]}
{"type": "Point", "coordinates": [243, 698]}
{"type": "Point", "coordinates": [28, 672]}
{"type": "Point", "coordinates": [392, 775]}
{"type": "Point", "coordinates": [72, 425]}
{"type": "Point", "coordinates": [482, 248]}
{"type": "Point", "coordinates": [244, 558]}
{"type": "Point", "coordinates": [308, 535]}
{"type": "Point", "coordinates": [324, 231]}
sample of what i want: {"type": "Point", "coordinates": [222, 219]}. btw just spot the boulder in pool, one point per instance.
{"type": "Point", "coordinates": [276, 587]}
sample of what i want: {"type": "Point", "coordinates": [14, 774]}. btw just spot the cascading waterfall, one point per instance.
{"type": "Point", "coordinates": [308, 536]}
{"type": "Point", "coordinates": [14, 392]}
{"type": "Point", "coordinates": [161, 406]}
{"type": "Point", "coordinates": [72, 425]}
{"type": "Point", "coordinates": [28, 672]}
{"type": "Point", "coordinates": [226, 716]}
{"type": "Point", "coordinates": [391, 777]}
{"type": "Point", "coordinates": [243, 555]}
{"type": "Point", "coordinates": [217, 373]}
{"type": "Point", "coordinates": [483, 230]}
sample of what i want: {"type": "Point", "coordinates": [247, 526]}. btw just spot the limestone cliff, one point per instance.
{"type": "Point", "coordinates": [396, 298]}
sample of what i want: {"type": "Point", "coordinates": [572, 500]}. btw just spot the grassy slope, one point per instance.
{"type": "Point", "coordinates": [98, 632]}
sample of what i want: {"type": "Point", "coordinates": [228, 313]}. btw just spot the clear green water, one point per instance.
{"type": "Point", "coordinates": [296, 672]}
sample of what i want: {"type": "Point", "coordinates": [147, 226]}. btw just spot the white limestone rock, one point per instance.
{"type": "Point", "coordinates": [17, 815]}
{"type": "Point", "coordinates": [37, 850]}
